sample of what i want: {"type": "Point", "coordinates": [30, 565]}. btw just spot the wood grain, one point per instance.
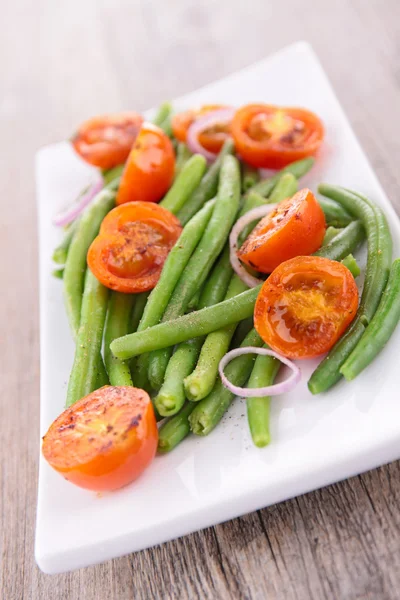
{"type": "Point", "coordinates": [62, 62]}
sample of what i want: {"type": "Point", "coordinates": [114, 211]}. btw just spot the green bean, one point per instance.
{"type": "Point", "coordinates": [117, 324]}
{"type": "Point", "coordinates": [298, 169]}
{"type": "Point", "coordinates": [242, 329]}
{"type": "Point", "coordinates": [166, 126]}
{"type": "Point", "coordinates": [75, 266]}
{"type": "Point", "coordinates": [379, 252]}
{"type": "Point", "coordinates": [351, 263]}
{"type": "Point", "coordinates": [335, 214]}
{"type": "Point", "coordinates": [264, 372]}
{"type": "Point", "coordinates": [176, 262]}
{"type": "Point", "coordinates": [61, 252]}
{"type": "Point", "coordinates": [379, 246]}
{"type": "Point", "coordinates": [199, 265]}
{"type": "Point", "coordinates": [188, 326]}
{"type": "Point", "coordinates": [185, 183]}
{"type": "Point", "coordinates": [194, 302]}
{"type": "Point", "coordinates": [58, 273]}
{"type": "Point", "coordinates": [207, 188]}
{"type": "Point", "coordinates": [182, 156]}
{"type": "Point", "coordinates": [163, 111]}
{"type": "Point", "coordinates": [330, 233]}
{"type": "Point", "coordinates": [85, 371]}
{"type": "Point", "coordinates": [200, 383]}
{"type": "Point", "coordinates": [139, 372]}
{"type": "Point", "coordinates": [217, 283]}
{"type": "Point", "coordinates": [175, 429]}
{"type": "Point", "coordinates": [138, 310]}
{"type": "Point", "coordinates": [250, 176]}
{"type": "Point", "coordinates": [171, 396]}
{"type": "Point", "coordinates": [379, 330]}
{"type": "Point", "coordinates": [344, 242]}
{"type": "Point", "coordinates": [210, 410]}
{"type": "Point", "coordinates": [112, 176]}
{"type": "Point", "coordinates": [286, 187]}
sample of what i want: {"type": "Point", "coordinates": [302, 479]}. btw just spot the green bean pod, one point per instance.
{"type": "Point", "coordinates": [117, 324]}
{"type": "Point", "coordinates": [335, 214]}
{"type": "Point", "coordinates": [210, 410]}
{"type": "Point", "coordinates": [208, 186]}
{"type": "Point", "coordinates": [75, 266]}
{"type": "Point", "coordinates": [250, 176]}
{"type": "Point", "coordinates": [171, 396]}
{"type": "Point", "coordinates": [379, 330]}
{"type": "Point", "coordinates": [330, 233]}
{"type": "Point", "coordinates": [298, 169]}
{"type": "Point", "coordinates": [182, 156]}
{"type": "Point", "coordinates": [61, 252]}
{"type": "Point", "coordinates": [286, 187]}
{"type": "Point", "coordinates": [163, 112]}
{"type": "Point", "coordinates": [263, 374]}
{"type": "Point", "coordinates": [138, 310]}
{"type": "Point", "coordinates": [85, 371]}
{"type": "Point", "coordinates": [188, 326]}
{"type": "Point", "coordinates": [185, 183]}
{"type": "Point", "coordinates": [345, 242]}
{"type": "Point", "coordinates": [351, 263]}
{"type": "Point", "coordinates": [175, 429]}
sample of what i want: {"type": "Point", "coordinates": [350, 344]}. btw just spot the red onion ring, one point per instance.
{"type": "Point", "coordinates": [216, 117]}
{"type": "Point", "coordinates": [269, 390]}
{"type": "Point", "coordinates": [237, 266]}
{"type": "Point", "coordinates": [71, 212]}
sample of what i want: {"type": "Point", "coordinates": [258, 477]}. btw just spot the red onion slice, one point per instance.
{"type": "Point", "coordinates": [216, 117]}
{"type": "Point", "coordinates": [269, 390]}
{"type": "Point", "coordinates": [71, 212]}
{"type": "Point", "coordinates": [237, 266]}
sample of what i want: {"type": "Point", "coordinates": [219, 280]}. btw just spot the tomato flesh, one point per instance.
{"type": "Point", "coordinates": [305, 305]}
{"type": "Point", "coordinates": [272, 137]}
{"type": "Point", "coordinates": [132, 246]}
{"type": "Point", "coordinates": [105, 440]}
{"type": "Point", "coordinates": [149, 169]}
{"type": "Point", "coordinates": [295, 227]}
{"type": "Point", "coordinates": [106, 141]}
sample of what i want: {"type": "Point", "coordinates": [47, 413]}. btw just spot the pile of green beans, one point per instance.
{"type": "Point", "coordinates": [377, 272]}
{"type": "Point", "coordinates": [200, 383]}
{"type": "Point", "coordinates": [200, 263]}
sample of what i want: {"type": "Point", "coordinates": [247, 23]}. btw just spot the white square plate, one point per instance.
{"type": "Point", "coordinates": [316, 440]}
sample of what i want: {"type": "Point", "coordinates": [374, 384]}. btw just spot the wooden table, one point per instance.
{"type": "Point", "coordinates": [64, 61]}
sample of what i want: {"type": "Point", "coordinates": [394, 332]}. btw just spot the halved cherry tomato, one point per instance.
{"type": "Point", "coordinates": [106, 141]}
{"type": "Point", "coordinates": [150, 167]}
{"type": "Point", "coordinates": [295, 227]}
{"type": "Point", "coordinates": [133, 243]}
{"type": "Point", "coordinates": [272, 137]}
{"type": "Point", "coordinates": [105, 440]}
{"type": "Point", "coordinates": [211, 139]}
{"type": "Point", "coordinates": [305, 305]}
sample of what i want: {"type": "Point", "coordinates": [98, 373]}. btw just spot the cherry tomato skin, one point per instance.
{"type": "Point", "coordinates": [305, 306]}
{"type": "Point", "coordinates": [150, 167]}
{"type": "Point", "coordinates": [295, 227]}
{"type": "Point", "coordinates": [132, 246]}
{"type": "Point", "coordinates": [271, 137]}
{"type": "Point", "coordinates": [105, 440]}
{"type": "Point", "coordinates": [211, 139]}
{"type": "Point", "coordinates": [105, 141]}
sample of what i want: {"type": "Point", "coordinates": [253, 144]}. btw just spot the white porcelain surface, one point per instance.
{"type": "Point", "coordinates": [316, 440]}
